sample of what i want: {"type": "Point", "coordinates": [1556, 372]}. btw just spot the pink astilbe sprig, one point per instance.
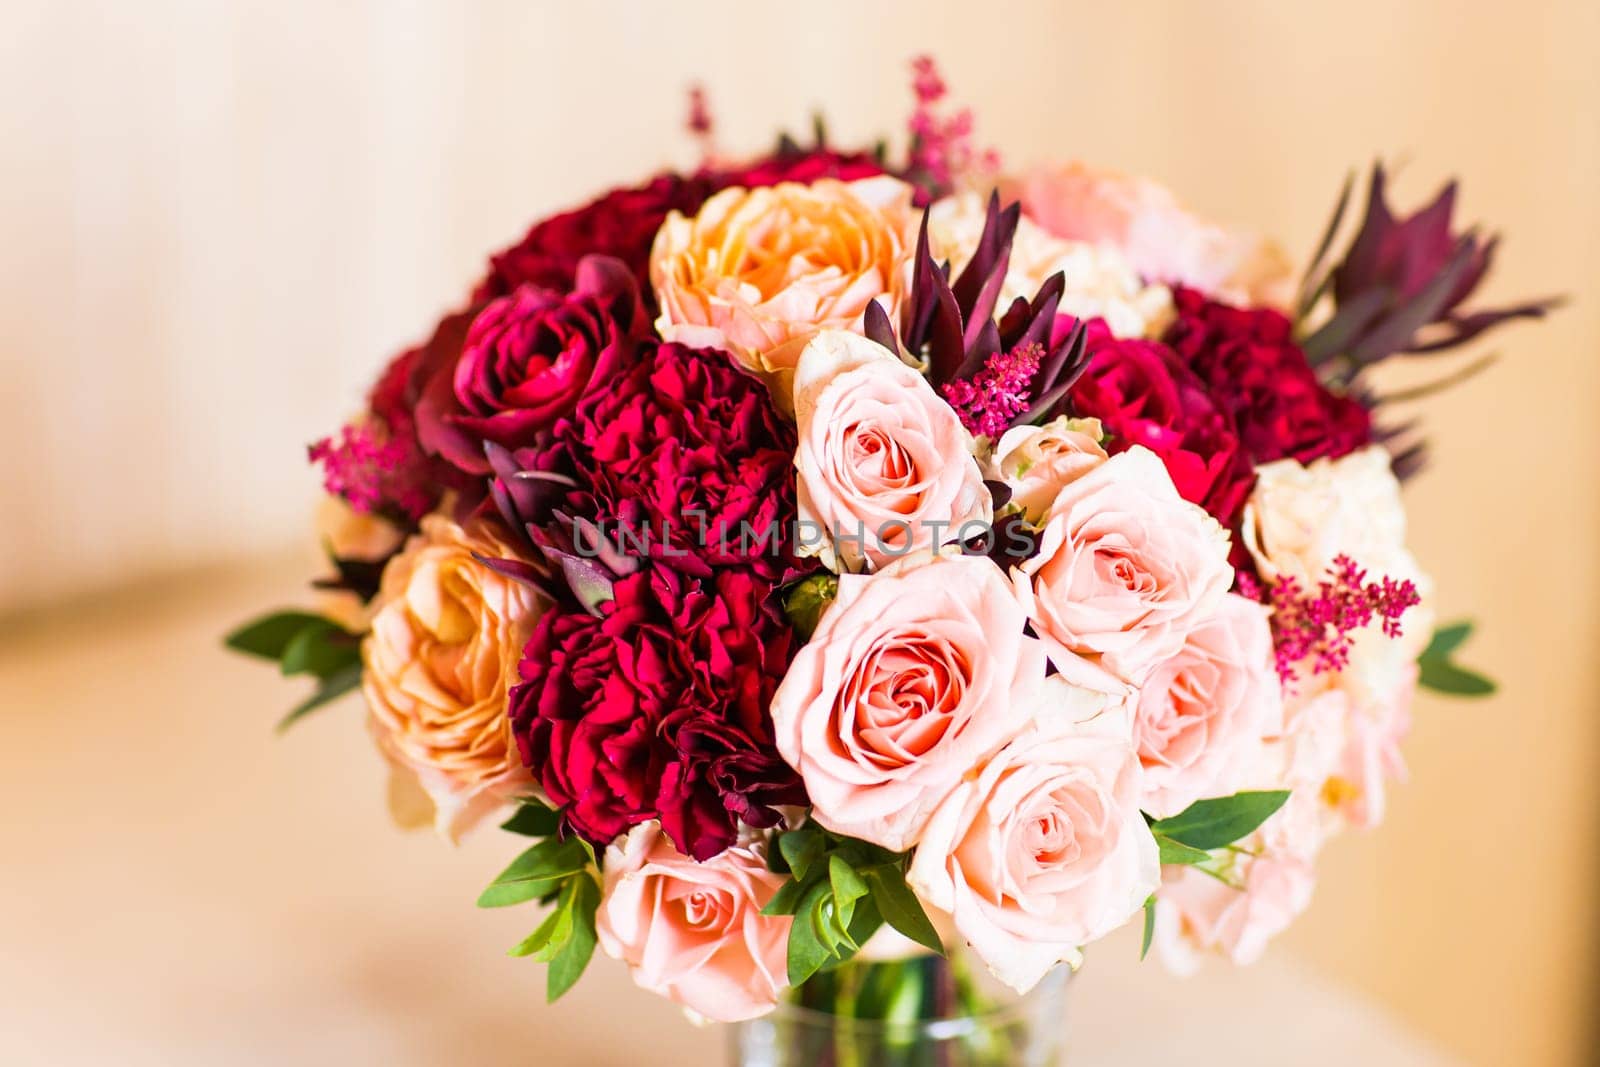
{"type": "Point", "coordinates": [1320, 625]}
{"type": "Point", "coordinates": [941, 145]}
{"type": "Point", "coordinates": [702, 127]}
{"type": "Point", "coordinates": [990, 401]}
{"type": "Point", "coordinates": [371, 470]}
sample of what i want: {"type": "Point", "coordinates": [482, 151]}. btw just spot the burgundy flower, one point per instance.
{"type": "Point", "coordinates": [1249, 361]}
{"type": "Point", "coordinates": [621, 224]}
{"type": "Point", "coordinates": [657, 708]}
{"type": "Point", "coordinates": [683, 458]}
{"type": "Point", "coordinates": [1144, 395]}
{"type": "Point", "coordinates": [792, 164]}
{"type": "Point", "coordinates": [525, 362]}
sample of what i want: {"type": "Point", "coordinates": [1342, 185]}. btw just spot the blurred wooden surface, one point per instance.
{"type": "Point", "coordinates": [204, 895]}
{"type": "Point", "coordinates": [221, 217]}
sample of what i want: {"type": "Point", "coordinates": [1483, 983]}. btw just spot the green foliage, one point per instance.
{"type": "Point", "coordinates": [840, 892]}
{"type": "Point", "coordinates": [1149, 925]}
{"type": "Point", "coordinates": [563, 873]}
{"type": "Point", "coordinates": [304, 644]}
{"type": "Point", "coordinates": [533, 819]}
{"type": "Point", "coordinates": [805, 602]}
{"type": "Point", "coordinates": [1219, 822]}
{"type": "Point", "coordinates": [1438, 672]}
{"type": "Point", "coordinates": [1179, 853]}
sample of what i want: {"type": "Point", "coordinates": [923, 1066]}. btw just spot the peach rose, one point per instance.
{"type": "Point", "coordinates": [759, 270]}
{"type": "Point", "coordinates": [1038, 461]}
{"type": "Point", "coordinates": [1100, 283]}
{"type": "Point", "coordinates": [1126, 569]}
{"type": "Point", "coordinates": [1202, 715]}
{"type": "Point", "coordinates": [694, 932]}
{"type": "Point", "coordinates": [443, 650]}
{"type": "Point", "coordinates": [1044, 849]}
{"type": "Point", "coordinates": [885, 466]}
{"type": "Point", "coordinates": [1197, 914]}
{"type": "Point", "coordinates": [914, 675]}
{"type": "Point", "coordinates": [1160, 238]}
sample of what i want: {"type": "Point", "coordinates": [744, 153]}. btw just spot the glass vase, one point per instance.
{"type": "Point", "coordinates": [919, 1012]}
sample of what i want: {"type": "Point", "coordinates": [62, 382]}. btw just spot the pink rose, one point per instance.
{"type": "Point", "coordinates": [694, 932]}
{"type": "Point", "coordinates": [1037, 461]}
{"type": "Point", "coordinates": [886, 468]}
{"type": "Point", "coordinates": [913, 677]}
{"type": "Point", "coordinates": [1358, 788]}
{"type": "Point", "coordinates": [1201, 715]}
{"type": "Point", "coordinates": [1126, 570]}
{"type": "Point", "coordinates": [1162, 239]}
{"type": "Point", "coordinates": [1198, 914]}
{"type": "Point", "coordinates": [1044, 850]}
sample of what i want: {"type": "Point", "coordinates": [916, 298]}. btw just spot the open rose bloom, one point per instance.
{"type": "Point", "coordinates": [817, 554]}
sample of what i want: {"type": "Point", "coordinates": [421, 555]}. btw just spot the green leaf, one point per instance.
{"type": "Point", "coordinates": [1436, 671]}
{"type": "Point", "coordinates": [807, 953]}
{"type": "Point", "coordinates": [535, 872]}
{"type": "Point", "coordinates": [1456, 681]}
{"type": "Point", "coordinates": [268, 636]}
{"type": "Point", "coordinates": [900, 907]}
{"type": "Point", "coordinates": [1179, 853]}
{"type": "Point", "coordinates": [806, 601]}
{"type": "Point", "coordinates": [1149, 925]}
{"type": "Point", "coordinates": [533, 819]}
{"type": "Point", "coordinates": [320, 649]}
{"type": "Point", "coordinates": [1446, 639]}
{"type": "Point", "coordinates": [787, 899]}
{"type": "Point", "coordinates": [548, 937]}
{"type": "Point", "coordinates": [847, 884]}
{"type": "Point", "coordinates": [568, 963]}
{"type": "Point", "coordinates": [802, 848]}
{"type": "Point", "coordinates": [1209, 824]}
{"type": "Point", "coordinates": [331, 688]}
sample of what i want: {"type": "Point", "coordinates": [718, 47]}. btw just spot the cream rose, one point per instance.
{"type": "Point", "coordinates": [1201, 716]}
{"type": "Point", "coordinates": [885, 466]}
{"type": "Point", "coordinates": [1037, 462]}
{"type": "Point", "coordinates": [1044, 849]}
{"type": "Point", "coordinates": [1197, 914]}
{"type": "Point", "coordinates": [693, 932]}
{"type": "Point", "coordinates": [1126, 569]}
{"type": "Point", "coordinates": [759, 270]}
{"type": "Point", "coordinates": [913, 677]}
{"type": "Point", "coordinates": [446, 637]}
{"type": "Point", "coordinates": [1162, 239]}
{"type": "Point", "coordinates": [1099, 281]}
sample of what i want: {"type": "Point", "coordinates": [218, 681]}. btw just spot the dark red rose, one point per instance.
{"type": "Point", "coordinates": [526, 361]}
{"type": "Point", "coordinates": [657, 708]}
{"type": "Point", "coordinates": [683, 458]}
{"type": "Point", "coordinates": [1144, 395]}
{"type": "Point", "coordinates": [799, 166]}
{"type": "Point", "coordinates": [622, 224]}
{"type": "Point", "coordinates": [1251, 365]}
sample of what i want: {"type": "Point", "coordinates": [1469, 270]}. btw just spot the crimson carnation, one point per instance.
{"type": "Point", "coordinates": [656, 708]}
{"type": "Point", "coordinates": [683, 458]}
{"type": "Point", "coordinates": [1144, 395]}
{"type": "Point", "coordinates": [525, 362]}
{"type": "Point", "coordinates": [1256, 372]}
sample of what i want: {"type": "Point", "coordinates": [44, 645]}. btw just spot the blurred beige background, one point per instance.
{"type": "Point", "coordinates": [219, 218]}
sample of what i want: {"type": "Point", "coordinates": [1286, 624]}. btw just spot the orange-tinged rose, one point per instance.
{"type": "Point", "coordinates": [446, 636]}
{"type": "Point", "coordinates": [759, 271]}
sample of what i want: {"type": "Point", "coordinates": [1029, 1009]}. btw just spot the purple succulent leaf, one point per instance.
{"type": "Point", "coordinates": [1396, 331]}
{"type": "Point", "coordinates": [1345, 327]}
{"type": "Point", "coordinates": [517, 571]}
{"type": "Point", "coordinates": [945, 343]}
{"type": "Point", "coordinates": [986, 344]}
{"type": "Point", "coordinates": [875, 324]}
{"type": "Point", "coordinates": [999, 492]}
{"type": "Point", "coordinates": [590, 583]}
{"type": "Point", "coordinates": [1465, 328]}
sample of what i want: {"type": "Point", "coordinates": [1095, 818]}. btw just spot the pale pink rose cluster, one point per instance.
{"type": "Point", "coordinates": [1337, 743]}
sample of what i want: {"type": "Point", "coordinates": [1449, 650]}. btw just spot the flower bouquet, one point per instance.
{"type": "Point", "coordinates": [860, 581]}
